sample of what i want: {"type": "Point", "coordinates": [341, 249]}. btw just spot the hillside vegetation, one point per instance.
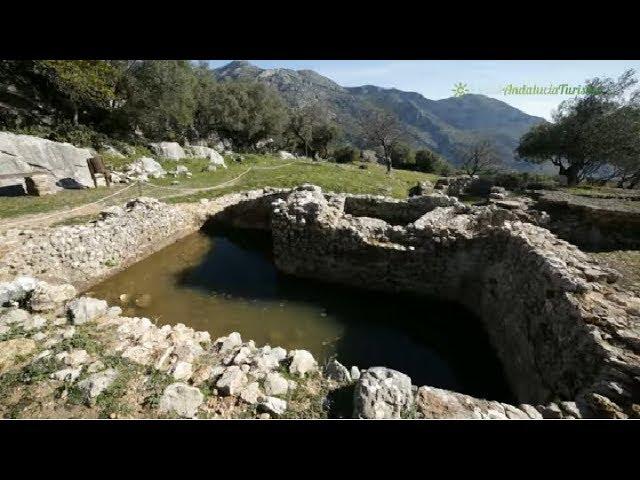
{"type": "Point", "coordinates": [330, 176]}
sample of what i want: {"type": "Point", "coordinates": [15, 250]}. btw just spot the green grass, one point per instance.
{"type": "Point", "coordinates": [330, 176]}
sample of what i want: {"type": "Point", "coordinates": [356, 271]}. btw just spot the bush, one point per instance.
{"type": "Point", "coordinates": [402, 157]}
{"type": "Point", "coordinates": [346, 154]}
{"type": "Point", "coordinates": [523, 181]}
{"type": "Point", "coordinates": [427, 161]}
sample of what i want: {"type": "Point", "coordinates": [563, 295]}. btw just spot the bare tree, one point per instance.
{"type": "Point", "coordinates": [381, 129]}
{"type": "Point", "coordinates": [478, 156]}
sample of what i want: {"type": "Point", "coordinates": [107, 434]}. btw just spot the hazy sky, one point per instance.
{"type": "Point", "coordinates": [435, 79]}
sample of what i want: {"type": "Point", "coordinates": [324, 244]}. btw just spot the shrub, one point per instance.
{"type": "Point", "coordinates": [427, 161]}
{"type": "Point", "coordinates": [346, 154]}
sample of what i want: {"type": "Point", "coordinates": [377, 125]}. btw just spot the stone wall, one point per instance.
{"type": "Point", "coordinates": [395, 212]}
{"type": "Point", "coordinates": [561, 329]}
{"type": "Point", "coordinates": [593, 223]}
{"type": "Point", "coordinates": [82, 254]}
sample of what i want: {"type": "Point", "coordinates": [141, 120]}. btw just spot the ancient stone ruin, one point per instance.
{"type": "Point", "coordinates": [567, 335]}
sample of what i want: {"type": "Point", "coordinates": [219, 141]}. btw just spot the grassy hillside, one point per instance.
{"type": "Point", "coordinates": [256, 170]}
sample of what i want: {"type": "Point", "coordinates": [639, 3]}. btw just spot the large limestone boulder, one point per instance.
{"type": "Point", "coordinates": [209, 153]}
{"type": "Point", "coordinates": [26, 154]}
{"type": "Point", "coordinates": [382, 393]}
{"type": "Point", "coordinates": [146, 166]}
{"type": "Point", "coordinates": [170, 150]}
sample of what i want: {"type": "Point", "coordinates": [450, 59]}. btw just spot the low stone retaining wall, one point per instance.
{"type": "Point", "coordinates": [562, 330]}
{"type": "Point", "coordinates": [593, 223]}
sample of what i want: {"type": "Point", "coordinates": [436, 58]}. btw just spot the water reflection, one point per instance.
{"type": "Point", "coordinates": [226, 281]}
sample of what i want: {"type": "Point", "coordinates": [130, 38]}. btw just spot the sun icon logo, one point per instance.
{"type": "Point", "coordinates": [460, 89]}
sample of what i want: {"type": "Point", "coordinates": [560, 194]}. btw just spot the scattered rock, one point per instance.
{"type": "Point", "coordinates": [275, 384]}
{"type": "Point", "coordinates": [302, 362]}
{"type": "Point", "coordinates": [182, 370]}
{"type": "Point", "coordinates": [273, 405]}
{"type": "Point", "coordinates": [338, 372]}
{"type": "Point", "coordinates": [97, 383]}
{"type": "Point", "coordinates": [181, 399]}
{"type": "Point", "coordinates": [382, 393]}
{"type": "Point", "coordinates": [225, 344]}
{"type": "Point", "coordinates": [251, 394]}
{"type": "Point", "coordinates": [86, 309]}
{"type": "Point", "coordinates": [15, 317]}
{"type": "Point", "coordinates": [48, 298]}
{"type": "Point", "coordinates": [169, 150]}
{"type": "Point", "coordinates": [232, 381]}
{"type": "Point", "coordinates": [16, 290]}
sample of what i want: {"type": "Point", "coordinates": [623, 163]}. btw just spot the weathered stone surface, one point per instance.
{"type": "Point", "coordinates": [74, 358]}
{"type": "Point", "coordinates": [47, 297]}
{"type": "Point", "coordinates": [251, 393]}
{"type": "Point", "coordinates": [69, 374]}
{"type": "Point", "coordinates": [181, 399]}
{"type": "Point", "coordinates": [182, 370]}
{"type": "Point", "coordinates": [275, 384]}
{"type": "Point", "coordinates": [232, 381]}
{"type": "Point", "coordinates": [170, 150]}
{"type": "Point", "coordinates": [66, 163]}
{"type": "Point", "coordinates": [86, 309]}
{"type": "Point", "coordinates": [273, 405]}
{"type": "Point", "coordinates": [14, 317]}
{"type": "Point", "coordinates": [215, 159]}
{"type": "Point", "coordinates": [302, 362]}
{"type": "Point", "coordinates": [338, 372]}
{"type": "Point", "coordinates": [34, 322]}
{"type": "Point", "coordinates": [97, 383]}
{"type": "Point", "coordinates": [526, 283]}
{"type": "Point", "coordinates": [11, 350]}
{"type": "Point", "coordinates": [382, 393]}
{"type": "Point", "coordinates": [78, 253]}
{"type": "Point", "coordinates": [591, 222]}
{"type": "Point", "coordinates": [145, 167]}
{"type": "Point", "coordinates": [17, 289]}
{"type": "Point", "coordinates": [226, 344]}
{"type": "Point", "coordinates": [437, 403]}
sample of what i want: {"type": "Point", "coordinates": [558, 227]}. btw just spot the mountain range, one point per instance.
{"type": "Point", "coordinates": [440, 125]}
